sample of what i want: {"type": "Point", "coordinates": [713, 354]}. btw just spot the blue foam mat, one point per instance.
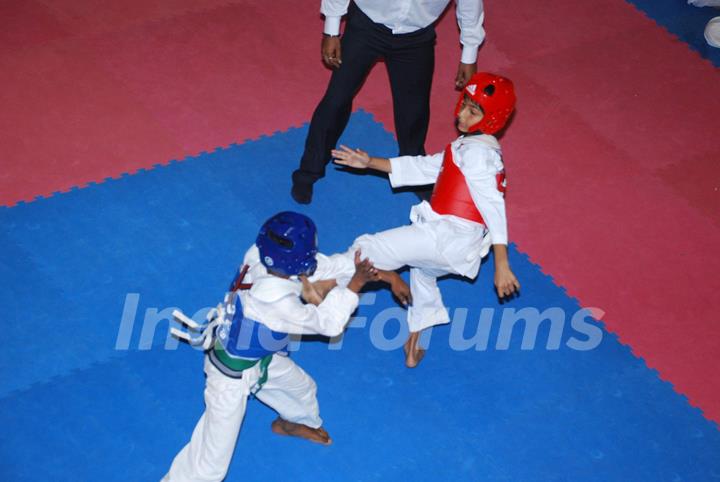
{"type": "Point", "coordinates": [73, 407]}
{"type": "Point", "coordinates": [685, 21]}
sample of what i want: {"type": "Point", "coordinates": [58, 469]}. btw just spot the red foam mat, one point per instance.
{"type": "Point", "coordinates": [146, 85]}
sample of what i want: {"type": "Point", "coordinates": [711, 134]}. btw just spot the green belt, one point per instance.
{"type": "Point", "coordinates": [239, 364]}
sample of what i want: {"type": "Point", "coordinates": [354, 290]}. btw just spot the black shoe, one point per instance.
{"type": "Point", "coordinates": [302, 193]}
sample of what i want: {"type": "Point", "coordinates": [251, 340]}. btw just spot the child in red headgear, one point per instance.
{"type": "Point", "coordinates": [465, 215]}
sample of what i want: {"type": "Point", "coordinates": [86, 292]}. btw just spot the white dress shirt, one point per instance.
{"type": "Point", "coordinates": [405, 16]}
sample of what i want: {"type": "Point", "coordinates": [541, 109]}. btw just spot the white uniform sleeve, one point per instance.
{"type": "Point", "coordinates": [479, 168]}
{"type": "Point", "coordinates": [290, 315]}
{"type": "Point", "coordinates": [415, 170]}
{"type": "Point", "coordinates": [470, 17]}
{"type": "Point", "coordinates": [333, 10]}
{"type": "Point", "coordinates": [252, 256]}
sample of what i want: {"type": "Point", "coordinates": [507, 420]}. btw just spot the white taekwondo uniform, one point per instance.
{"type": "Point", "coordinates": [275, 303]}
{"type": "Point", "coordinates": [438, 244]}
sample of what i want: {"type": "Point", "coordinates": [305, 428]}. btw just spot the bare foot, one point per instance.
{"type": "Point", "coordinates": [317, 435]}
{"type": "Point", "coordinates": [413, 352]}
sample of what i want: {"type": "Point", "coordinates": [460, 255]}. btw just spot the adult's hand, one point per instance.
{"type": "Point", "coordinates": [465, 71]}
{"type": "Point", "coordinates": [330, 50]}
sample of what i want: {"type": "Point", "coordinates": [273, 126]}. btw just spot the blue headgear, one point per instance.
{"type": "Point", "coordinates": [288, 244]}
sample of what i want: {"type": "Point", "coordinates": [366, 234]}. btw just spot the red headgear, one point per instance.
{"type": "Point", "coordinates": [495, 95]}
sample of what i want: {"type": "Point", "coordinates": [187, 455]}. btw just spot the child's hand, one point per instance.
{"type": "Point", "coordinates": [364, 273]}
{"type": "Point", "coordinates": [505, 282]}
{"type": "Point", "coordinates": [399, 287]}
{"type": "Point", "coordinates": [401, 290]}
{"type": "Point", "coordinates": [309, 293]}
{"type": "Point", "coordinates": [355, 158]}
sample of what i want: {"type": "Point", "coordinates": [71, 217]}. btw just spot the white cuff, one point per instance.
{"type": "Point", "coordinates": [469, 54]}
{"type": "Point", "coordinates": [395, 173]}
{"type": "Point", "coordinates": [332, 25]}
{"type": "Point", "coordinates": [502, 239]}
{"type": "Point", "coordinates": [345, 297]}
{"type": "Point", "coordinates": [343, 281]}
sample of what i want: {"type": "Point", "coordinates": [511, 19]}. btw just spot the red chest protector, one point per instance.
{"type": "Point", "coordinates": [451, 194]}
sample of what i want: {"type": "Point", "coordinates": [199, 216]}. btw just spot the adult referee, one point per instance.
{"type": "Point", "coordinates": [402, 33]}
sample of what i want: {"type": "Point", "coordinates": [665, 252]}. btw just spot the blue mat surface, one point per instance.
{"type": "Point", "coordinates": [85, 397]}
{"type": "Point", "coordinates": [685, 21]}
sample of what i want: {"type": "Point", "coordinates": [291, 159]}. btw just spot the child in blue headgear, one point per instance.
{"type": "Point", "coordinates": [249, 333]}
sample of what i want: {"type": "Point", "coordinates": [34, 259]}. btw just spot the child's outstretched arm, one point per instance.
{"type": "Point", "coordinates": [315, 292]}
{"type": "Point", "coordinates": [398, 286]}
{"type": "Point", "coordinates": [359, 159]}
{"type": "Point", "coordinates": [505, 281]}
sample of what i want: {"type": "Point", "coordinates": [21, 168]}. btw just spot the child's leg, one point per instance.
{"type": "Point", "coordinates": [292, 394]}
{"type": "Point", "coordinates": [427, 310]}
{"type": "Point", "coordinates": [207, 456]}
{"type": "Point", "coordinates": [412, 245]}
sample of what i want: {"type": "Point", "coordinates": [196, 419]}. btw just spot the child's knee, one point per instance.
{"type": "Point", "coordinates": [367, 245]}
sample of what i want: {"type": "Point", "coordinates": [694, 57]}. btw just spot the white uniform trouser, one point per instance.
{"type": "Point", "coordinates": [414, 246]}
{"type": "Point", "coordinates": [288, 390]}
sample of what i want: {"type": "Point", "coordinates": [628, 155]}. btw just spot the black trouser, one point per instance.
{"type": "Point", "coordinates": [410, 60]}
